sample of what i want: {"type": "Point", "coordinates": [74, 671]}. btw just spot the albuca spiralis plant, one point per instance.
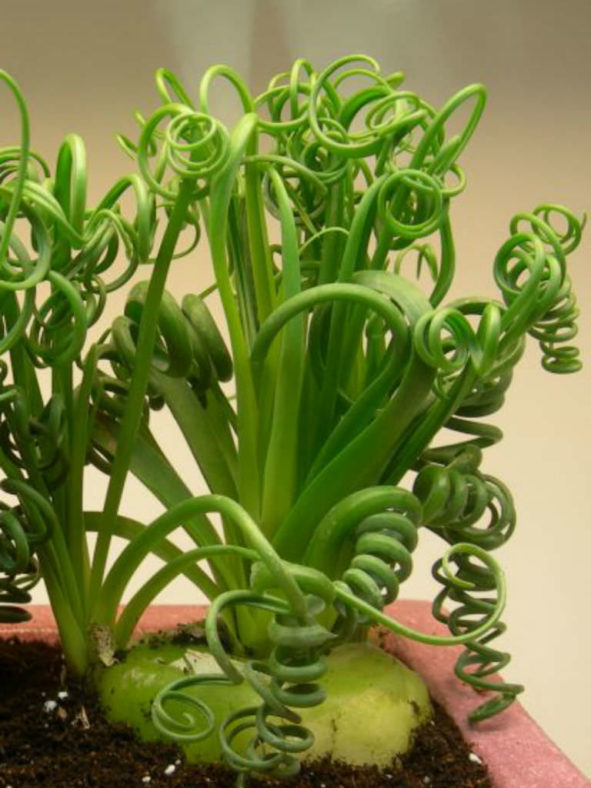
{"type": "Point", "coordinates": [315, 427]}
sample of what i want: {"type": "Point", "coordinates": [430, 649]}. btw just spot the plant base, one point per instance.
{"type": "Point", "coordinates": [515, 749]}
{"type": "Point", "coordinates": [373, 705]}
{"type": "Point", "coordinates": [71, 748]}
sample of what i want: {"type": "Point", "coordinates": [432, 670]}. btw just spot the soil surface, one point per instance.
{"type": "Point", "coordinates": [52, 733]}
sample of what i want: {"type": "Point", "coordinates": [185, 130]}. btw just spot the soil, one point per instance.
{"type": "Point", "coordinates": [53, 734]}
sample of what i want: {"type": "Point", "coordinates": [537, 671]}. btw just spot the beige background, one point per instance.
{"type": "Point", "coordinates": [85, 66]}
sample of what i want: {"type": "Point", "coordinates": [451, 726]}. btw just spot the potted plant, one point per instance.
{"type": "Point", "coordinates": [337, 376]}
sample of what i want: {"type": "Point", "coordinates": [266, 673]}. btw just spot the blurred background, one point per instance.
{"type": "Point", "coordinates": [85, 67]}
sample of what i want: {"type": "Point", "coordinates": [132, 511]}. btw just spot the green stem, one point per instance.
{"type": "Point", "coordinates": [138, 386]}
{"type": "Point", "coordinates": [129, 529]}
{"type": "Point", "coordinates": [150, 466]}
{"type": "Point", "coordinates": [72, 635]}
{"type": "Point", "coordinates": [221, 195]}
{"type": "Point", "coordinates": [360, 464]}
{"type": "Point", "coordinates": [260, 258]}
{"type": "Point", "coordinates": [131, 557]}
{"type": "Point", "coordinates": [280, 474]}
{"type": "Point", "coordinates": [203, 429]}
{"type": "Point", "coordinates": [418, 436]}
{"type": "Point", "coordinates": [76, 536]}
{"type": "Point", "coordinates": [174, 567]}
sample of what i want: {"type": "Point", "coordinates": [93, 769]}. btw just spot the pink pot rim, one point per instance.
{"type": "Point", "coordinates": [516, 750]}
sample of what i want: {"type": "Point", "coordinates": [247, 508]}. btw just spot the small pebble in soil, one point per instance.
{"type": "Point", "coordinates": [49, 706]}
{"type": "Point", "coordinates": [474, 758]}
{"type": "Point", "coordinates": [81, 719]}
{"type": "Point", "coordinates": [170, 769]}
{"type": "Point", "coordinates": [146, 779]}
{"type": "Point", "coordinates": [63, 695]}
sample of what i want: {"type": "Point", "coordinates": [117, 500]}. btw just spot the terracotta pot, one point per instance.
{"type": "Point", "coordinates": [516, 750]}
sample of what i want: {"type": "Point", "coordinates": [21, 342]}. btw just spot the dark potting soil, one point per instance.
{"type": "Point", "coordinates": [53, 734]}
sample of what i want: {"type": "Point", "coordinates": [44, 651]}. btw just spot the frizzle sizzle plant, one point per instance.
{"type": "Point", "coordinates": [343, 369]}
